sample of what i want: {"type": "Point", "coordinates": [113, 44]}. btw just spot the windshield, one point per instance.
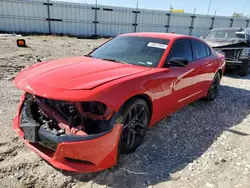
{"type": "Point", "coordinates": [135, 50]}
{"type": "Point", "coordinates": [226, 34]}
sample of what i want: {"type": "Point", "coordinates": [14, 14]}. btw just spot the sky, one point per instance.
{"type": "Point", "coordinates": [222, 7]}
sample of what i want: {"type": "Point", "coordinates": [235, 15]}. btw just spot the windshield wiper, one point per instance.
{"type": "Point", "coordinates": [87, 55]}
{"type": "Point", "coordinates": [113, 60]}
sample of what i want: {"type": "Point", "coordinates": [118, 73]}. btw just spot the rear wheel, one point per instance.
{"type": "Point", "coordinates": [135, 120]}
{"type": "Point", "coordinates": [214, 88]}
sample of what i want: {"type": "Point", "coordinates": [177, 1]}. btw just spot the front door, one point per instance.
{"type": "Point", "coordinates": [184, 88]}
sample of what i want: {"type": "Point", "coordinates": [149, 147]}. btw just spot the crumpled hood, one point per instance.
{"type": "Point", "coordinates": [224, 42]}
{"type": "Point", "coordinates": [73, 74]}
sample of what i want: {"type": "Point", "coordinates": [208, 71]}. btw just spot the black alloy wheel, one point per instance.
{"type": "Point", "coordinates": [135, 125]}
{"type": "Point", "coordinates": [214, 88]}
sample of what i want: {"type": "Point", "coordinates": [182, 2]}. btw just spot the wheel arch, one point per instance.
{"type": "Point", "coordinates": [144, 97]}
{"type": "Point", "coordinates": [220, 72]}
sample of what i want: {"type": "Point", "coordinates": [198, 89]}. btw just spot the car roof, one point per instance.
{"type": "Point", "coordinates": [168, 36]}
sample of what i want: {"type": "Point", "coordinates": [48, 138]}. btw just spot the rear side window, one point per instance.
{"type": "Point", "coordinates": [181, 48]}
{"type": "Point", "coordinates": [199, 49]}
{"type": "Point", "coordinates": [208, 50]}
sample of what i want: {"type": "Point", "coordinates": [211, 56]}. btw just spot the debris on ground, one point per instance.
{"type": "Point", "coordinates": [9, 35]}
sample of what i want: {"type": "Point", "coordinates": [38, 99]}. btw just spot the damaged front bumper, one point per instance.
{"type": "Point", "coordinates": [233, 54]}
{"type": "Point", "coordinates": [87, 153]}
{"type": "Point", "coordinates": [236, 61]}
{"type": "Point", "coordinates": [230, 63]}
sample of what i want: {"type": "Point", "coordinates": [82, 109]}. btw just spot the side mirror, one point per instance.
{"type": "Point", "coordinates": [178, 62]}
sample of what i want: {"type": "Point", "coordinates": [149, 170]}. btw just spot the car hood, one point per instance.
{"type": "Point", "coordinates": [73, 74]}
{"type": "Point", "coordinates": [226, 42]}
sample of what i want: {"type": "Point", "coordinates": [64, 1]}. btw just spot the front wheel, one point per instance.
{"type": "Point", "coordinates": [135, 119]}
{"type": "Point", "coordinates": [214, 88]}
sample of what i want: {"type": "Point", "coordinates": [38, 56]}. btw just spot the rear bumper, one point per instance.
{"type": "Point", "coordinates": [89, 155]}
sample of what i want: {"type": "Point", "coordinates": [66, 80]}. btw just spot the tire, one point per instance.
{"type": "Point", "coordinates": [214, 88]}
{"type": "Point", "coordinates": [135, 118]}
{"type": "Point", "coordinates": [243, 71]}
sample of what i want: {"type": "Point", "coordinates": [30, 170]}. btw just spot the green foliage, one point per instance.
{"type": "Point", "coordinates": [239, 15]}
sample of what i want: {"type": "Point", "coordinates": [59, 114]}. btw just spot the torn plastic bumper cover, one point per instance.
{"type": "Point", "coordinates": [86, 153]}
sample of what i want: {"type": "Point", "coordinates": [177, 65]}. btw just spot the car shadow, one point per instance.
{"type": "Point", "coordinates": [232, 73]}
{"type": "Point", "coordinates": [175, 142]}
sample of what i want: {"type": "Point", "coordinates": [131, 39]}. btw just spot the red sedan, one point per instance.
{"type": "Point", "coordinates": [79, 113]}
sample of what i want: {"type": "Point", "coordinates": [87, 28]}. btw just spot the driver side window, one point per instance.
{"type": "Point", "coordinates": [181, 48]}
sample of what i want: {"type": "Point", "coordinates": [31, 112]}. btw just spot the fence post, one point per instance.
{"type": "Point", "coordinates": [247, 24]}
{"type": "Point", "coordinates": [168, 22]}
{"type": "Point", "coordinates": [135, 24]}
{"type": "Point", "coordinates": [96, 18]}
{"type": "Point", "coordinates": [136, 12]}
{"type": "Point", "coordinates": [48, 10]}
{"type": "Point", "coordinates": [212, 23]}
{"type": "Point", "coordinates": [192, 23]}
{"type": "Point", "coordinates": [231, 22]}
{"type": "Point", "coordinates": [95, 21]}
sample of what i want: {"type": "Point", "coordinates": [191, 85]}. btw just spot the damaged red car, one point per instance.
{"type": "Point", "coordinates": [79, 113]}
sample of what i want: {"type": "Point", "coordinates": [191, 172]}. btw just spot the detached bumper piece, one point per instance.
{"type": "Point", "coordinates": [88, 153]}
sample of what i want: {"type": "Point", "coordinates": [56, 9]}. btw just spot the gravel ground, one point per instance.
{"type": "Point", "coordinates": [203, 145]}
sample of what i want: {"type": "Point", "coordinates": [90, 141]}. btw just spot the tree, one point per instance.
{"type": "Point", "coordinates": [239, 15]}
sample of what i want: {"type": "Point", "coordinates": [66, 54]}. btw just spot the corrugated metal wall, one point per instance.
{"type": "Point", "coordinates": [80, 19]}
{"type": "Point", "coordinates": [113, 21]}
{"type": "Point", "coordinates": [23, 16]}
{"type": "Point", "coordinates": [151, 20]}
{"type": "Point", "coordinates": [73, 19]}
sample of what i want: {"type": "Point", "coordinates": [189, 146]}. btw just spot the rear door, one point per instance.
{"type": "Point", "coordinates": [204, 65]}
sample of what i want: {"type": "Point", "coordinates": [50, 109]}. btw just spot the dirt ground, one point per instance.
{"type": "Point", "coordinates": [203, 145]}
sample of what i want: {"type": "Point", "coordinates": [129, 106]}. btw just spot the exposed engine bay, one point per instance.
{"type": "Point", "coordinates": [233, 52]}
{"type": "Point", "coordinates": [233, 42]}
{"type": "Point", "coordinates": [62, 118]}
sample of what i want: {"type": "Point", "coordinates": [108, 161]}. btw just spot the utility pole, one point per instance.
{"type": "Point", "coordinates": [209, 7]}
{"type": "Point", "coordinates": [243, 9]}
{"type": "Point", "coordinates": [170, 8]}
